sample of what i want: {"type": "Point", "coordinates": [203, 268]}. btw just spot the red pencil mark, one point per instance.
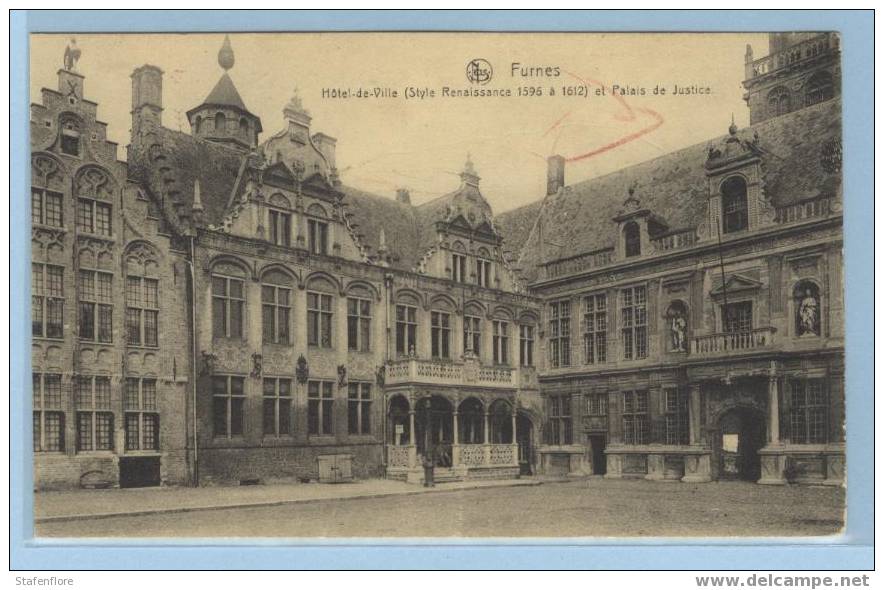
{"type": "Point", "coordinates": [628, 114]}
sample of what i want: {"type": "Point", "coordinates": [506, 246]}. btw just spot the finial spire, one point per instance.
{"type": "Point", "coordinates": [468, 166]}
{"type": "Point", "coordinates": [226, 59]}
{"type": "Point", "coordinates": [197, 197]}
{"type": "Point", "coordinates": [733, 128]}
{"type": "Point", "coordinates": [71, 55]}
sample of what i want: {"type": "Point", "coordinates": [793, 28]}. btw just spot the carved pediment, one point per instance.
{"type": "Point", "coordinates": [736, 284]}
{"type": "Point", "coordinates": [279, 175]}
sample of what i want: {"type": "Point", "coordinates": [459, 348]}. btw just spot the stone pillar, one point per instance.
{"type": "Point", "coordinates": [412, 450]}
{"type": "Point", "coordinates": [694, 414]}
{"type": "Point", "coordinates": [773, 462]}
{"type": "Point", "coordinates": [455, 446]}
{"type": "Point", "coordinates": [514, 440]}
{"type": "Point", "coordinates": [486, 439]}
{"type": "Point", "coordinates": [773, 411]}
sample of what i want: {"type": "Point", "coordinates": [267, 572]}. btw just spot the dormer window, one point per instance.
{"type": "Point", "coordinates": [483, 269]}
{"type": "Point", "coordinates": [632, 239]}
{"type": "Point", "coordinates": [735, 205]}
{"type": "Point", "coordinates": [280, 224]}
{"type": "Point", "coordinates": [317, 233]}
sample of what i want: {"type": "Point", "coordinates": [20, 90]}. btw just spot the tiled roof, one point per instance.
{"type": "Point", "coordinates": [225, 94]}
{"type": "Point", "coordinates": [674, 187]}
{"type": "Point", "coordinates": [372, 212]}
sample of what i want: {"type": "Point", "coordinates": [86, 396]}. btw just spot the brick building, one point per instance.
{"type": "Point", "coordinates": [223, 308]}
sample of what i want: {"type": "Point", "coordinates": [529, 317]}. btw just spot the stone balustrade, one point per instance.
{"type": "Point", "coordinates": [675, 240]}
{"type": "Point", "coordinates": [803, 210]}
{"type": "Point", "coordinates": [440, 372]}
{"type": "Point", "coordinates": [578, 263]}
{"type": "Point", "coordinates": [728, 342]}
{"type": "Point", "coordinates": [808, 49]}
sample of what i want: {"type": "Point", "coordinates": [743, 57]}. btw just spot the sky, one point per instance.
{"type": "Point", "coordinates": [422, 144]}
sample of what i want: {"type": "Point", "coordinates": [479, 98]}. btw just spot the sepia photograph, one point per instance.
{"type": "Point", "coordinates": [437, 285]}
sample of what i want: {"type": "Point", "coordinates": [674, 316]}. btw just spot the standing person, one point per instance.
{"type": "Point", "coordinates": [428, 465]}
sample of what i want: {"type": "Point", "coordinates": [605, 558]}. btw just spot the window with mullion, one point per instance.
{"type": "Point", "coordinates": [358, 324]}
{"type": "Point", "coordinates": [228, 401]}
{"type": "Point", "coordinates": [406, 330]}
{"type": "Point", "coordinates": [46, 208]}
{"type": "Point", "coordinates": [675, 405]}
{"type": "Point", "coordinates": [559, 425]}
{"type": "Point", "coordinates": [96, 306]}
{"type": "Point", "coordinates": [317, 235]}
{"type": "Point", "coordinates": [595, 328]}
{"type": "Point", "coordinates": [276, 314]}
{"type": "Point", "coordinates": [441, 334]}
{"type": "Point", "coordinates": [472, 334]}
{"type": "Point", "coordinates": [459, 268]}
{"type": "Point", "coordinates": [319, 319]}
{"type": "Point", "coordinates": [359, 407]}
{"type": "Point", "coordinates": [483, 272]}
{"type": "Point", "coordinates": [280, 224]}
{"type": "Point", "coordinates": [634, 322]}
{"type": "Point", "coordinates": [560, 334]}
{"type": "Point", "coordinates": [320, 408]}
{"type": "Point", "coordinates": [277, 406]}
{"type": "Point", "coordinates": [142, 311]}
{"type": "Point", "coordinates": [47, 300]}
{"type": "Point", "coordinates": [94, 217]}
{"type": "Point", "coordinates": [636, 424]}
{"type": "Point", "coordinates": [501, 342]}
{"type": "Point", "coordinates": [95, 421]}
{"type": "Point", "coordinates": [526, 345]}
{"type": "Point", "coordinates": [737, 317]}
{"type": "Point", "coordinates": [142, 420]}
{"type": "Point", "coordinates": [228, 302]}
{"type": "Point", "coordinates": [597, 404]}
{"type": "Point", "coordinates": [49, 417]}
{"type": "Point", "coordinates": [809, 412]}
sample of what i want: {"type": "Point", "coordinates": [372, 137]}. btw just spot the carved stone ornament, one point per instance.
{"type": "Point", "coordinates": [381, 375]}
{"type": "Point", "coordinates": [208, 363]}
{"type": "Point", "coordinates": [342, 376]}
{"type": "Point", "coordinates": [302, 371]}
{"type": "Point", "coordinates": [257, 365]}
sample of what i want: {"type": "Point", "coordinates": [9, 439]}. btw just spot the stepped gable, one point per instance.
{"type": "Point", "coordinates": [578, 219]}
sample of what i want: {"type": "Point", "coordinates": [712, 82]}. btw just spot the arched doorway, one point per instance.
{"type": "Point", "coordinates": [399, 422]}
{"type": "Point", "coordinates": [525, 439]}
{"type": "Point", "coordinates": [741, 433]}
{"type": "Point", "coordinates": [434, 429]}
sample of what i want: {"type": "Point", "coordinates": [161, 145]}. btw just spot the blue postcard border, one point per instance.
{"type": "Point", "coordinates": [852, 551]}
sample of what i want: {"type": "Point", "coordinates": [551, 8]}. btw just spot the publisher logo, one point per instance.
{"type": "Point", "coordinates": [479, 71]}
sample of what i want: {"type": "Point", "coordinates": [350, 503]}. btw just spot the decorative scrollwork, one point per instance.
{"type": "Point", "coordinates": [257, 365]}
{"type": "Point", "coordinates": [302, 371]}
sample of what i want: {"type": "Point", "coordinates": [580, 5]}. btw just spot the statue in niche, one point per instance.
{"type": "Point", "coordinates": [808, 311]}
{"type": "Point", "coordinates": [678, 328]}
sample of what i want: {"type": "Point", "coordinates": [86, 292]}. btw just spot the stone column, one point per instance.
{"type": "Point", "coordinates": [514, 440]}
{"type": "Point", "coordinates": [486, 439]}
{"type": "Point", "coordinates": [773, 462]}
{"type": "Point", "coordinates": [455, 446]}
{"type": "Point", "coordinates": [694, 414]}
{"type": "Point", "coordinates": [773, 410]}
{"type": "Point", "coordinates": [412, 450]}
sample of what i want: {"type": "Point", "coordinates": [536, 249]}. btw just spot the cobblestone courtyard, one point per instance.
{"type": "Point", "coordinates": [593, 508]}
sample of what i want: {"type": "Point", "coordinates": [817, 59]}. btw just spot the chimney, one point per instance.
{"type": "Point", "coordinates": [555, 174]}
{"type": "Point", "coordinates": [403, 196]}
{"type": "Point", "coordinates": [147, 97]}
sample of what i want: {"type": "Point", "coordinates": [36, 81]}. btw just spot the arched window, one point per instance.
{"type": "Point", "coordinates": [779, 101]}
{"type": "Point", "coordinates": [483, 268]}
{"type": "Point", "coordinates": [501, 418]}
{"type": "Point", "coordinates": [632, 239]}
{"type": "Point", "coordinates": [220, 122]}
{"type": "Point", "coordinates": [734, 204]}
{"type": "Point", "coordinates": [471, 429]}
{"type": "Point", "coordinates": [276, 307]}
{"type": "Point", "coordinates": [317, 229]}
{"type": "Point", "coordinates": [806, 297]}
{"type": "Point", "coordinates": [228, 301]}
{"type": "Point", "coordinates": [458, 262]}
{"type": "Point", "coordinates": [677, 327]}
{"type": "Point", "coordinates": [243, 126]}
{"type": "Point", "coordinates": [818, 89]}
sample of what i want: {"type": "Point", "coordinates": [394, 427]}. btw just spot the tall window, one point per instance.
{"type": "Point", "coordinates": [472, 334]}
{"type": "Point", "coordinates": [320, 407]}
{"type": "Point", "coordinates": [634, 322]}
{"type": "Point", "coordinates": [597, 404]}
{"type": "Point", "coordinates": [406, 329]}
{"type": "Point", "coordinates": [632, 239]}
{"type": "Point", "coordinates": [734, 204]}
{"type": "Point", "coordinates": [595, 328]}
{"type": "Point", "coordinates": [483, 272]}
{"type": "Point", "coordinates": [559, 426]}
{"type": "Point", "coordinates": [228, 405]}
{"type": "Point", "coordinates": [277, 406]}
{"type": "Point", "coordinates": [93, 217]}
{"type": "Point", "coordinates": [141, 414]}
{"type": "Point", "coordinates": [276, 314]}
{"type": "Point", "coordinates": [319, 319]}
{"type": "Point", "coordinates": [96, 310]}
{"type": "Point", "coordinates": [70, 137]}
{"type": "Point", "coordinates": [95, 421]}
{"type": "Point", "coordinates": [526, 345]}
{"type": "Point", "coordinates": [636, 425]}
{"type": "Point", "coordinates": [779, 101]}
{"type": "Point", "coordinates": [358, 324]}
{"type": "Point", "coordinates": [280, 227]}
{"type": "Point", "coordinates": [228, 301]}
{"type": "Point", "coordinates": [459, 268]}
{"type": "Point", "coordinates": [46, 208]}
{"type": "Point", "coordinates": [47, 300]}
{"type": "Point", "coordinates": [675, 404]}
{"type": "Point", "coordinates": [560, 334]}
{"type": "Point", "coordinates": [809, 412]}
{"type": "Point", "coordinates": [359, 408]}
{"type": "Point", "coordinates": [441, 334]}
{"type": "Point", "coordinates": [500, 341]}
{"type": "Point", "coordinates": [48, 413]}
{"type": "Point", "coordinates": [317, 236]}
{"type": "Point", "coordinates": [819, 88]}
{"type": "Point", "coordinates": [737, 316]}
{"type": "Point", "coordinates": [142, 311]}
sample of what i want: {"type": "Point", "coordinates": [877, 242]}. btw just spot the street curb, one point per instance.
{"type": "Point", "coordinates": [103, 515]}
